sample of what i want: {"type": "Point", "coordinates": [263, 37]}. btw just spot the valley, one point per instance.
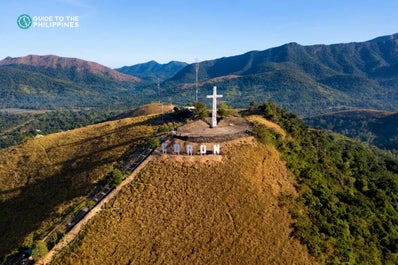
{"type": "Point", "coordinates": [375, 127]}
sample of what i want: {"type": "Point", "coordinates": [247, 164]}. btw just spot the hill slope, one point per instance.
{"type": "Point", "coordinates": [147, 109]}
{"type": "Point", "coordinates": [19, 125]}
{"type": "Point", "coordinates": [43, 179]}
{"type": "Point", "coordinates": [379, 128]}
{"type": "Point", "coordinates": [305, 79]}
{"type": "Point", "coordinates": [194, 209]}
{"type": "Point", "coordinates": [180, 212]}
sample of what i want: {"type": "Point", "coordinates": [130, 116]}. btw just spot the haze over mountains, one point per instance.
{"type": "Point", "coordinates": [307, 80]}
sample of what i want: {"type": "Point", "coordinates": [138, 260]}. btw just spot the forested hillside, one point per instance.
{"type": "Point", "coordinates": [307, 80]}
{"type": "Point", "coordinates": [378, 128]}
{"type": "Point", "coordinates": [347, 209]}
{"type": "Point", "coordinates": [152, 71]}
{"type": "Point", "coordinates": [52, 82]}
{"type": "Point", "coordinates": [16, 127]}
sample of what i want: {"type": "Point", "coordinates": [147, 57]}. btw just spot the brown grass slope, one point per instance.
{"type": "Point", "coordinates": [41, 178]}
{"type": "Point", "coordinates": [147, 109]}
{"type": "Point", "coordinates": [200, 212]}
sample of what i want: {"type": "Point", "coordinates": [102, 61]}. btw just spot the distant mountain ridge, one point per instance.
{"type": "Point", "coordinates": [79, 65]}
{"type": "Point", "coordinates": [304, 78]}
{"type": "Point", "coordinates": [152, 70]}
{"type": "Point", "coordinates": [53, 82]}
{"type": "Point", "coordinates": [318, 60]}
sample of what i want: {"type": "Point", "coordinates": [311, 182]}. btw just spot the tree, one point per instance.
{"type": "Point", "coordinates": [200, 110]}
{"type": "Point", "coordinates": [114, 177]}
{"type": "Point", "coordinates": [253, 108]}
{"type": "Point", "coordinates": [225, 110]}
{"type": "Point", "coordinates": [270, 111]}
{"type": "Point", "coordinates": [40, 250]}
{"type": "Point", "coordinates": [154, 142]}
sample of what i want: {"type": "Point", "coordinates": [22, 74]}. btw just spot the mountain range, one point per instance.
{"type": "Point", "coordinates": [152, 70]}
{"type": "Point", "coordinates": [76, 68]}
{"type": "Point", "coordinates": [53, 82]}
{"type": "Point", "coordinates": [308, 80]}
{"type": "Point", "coordinates": [304, 79]}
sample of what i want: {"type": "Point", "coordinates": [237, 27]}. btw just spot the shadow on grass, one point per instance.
{"type": "Point", "coordinates": [85, 162]}
{"type": "Point", "coordinates": [36, 202]}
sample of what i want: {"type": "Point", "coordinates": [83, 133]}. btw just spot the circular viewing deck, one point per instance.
{"type": "Point", "coordinates": [226, 130]}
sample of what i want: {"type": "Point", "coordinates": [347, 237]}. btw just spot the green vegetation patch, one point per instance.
{"type": "Point", "coordinates": [347, 209]}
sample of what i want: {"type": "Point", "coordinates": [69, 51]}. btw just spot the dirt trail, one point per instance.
{"type": "Point", "coordinates": [78, 227]}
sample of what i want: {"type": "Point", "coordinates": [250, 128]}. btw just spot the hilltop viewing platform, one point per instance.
{"type": "Point", "coordinates": [200, 131]}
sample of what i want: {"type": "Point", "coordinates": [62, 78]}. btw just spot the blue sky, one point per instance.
{"type": "Point", "coordinates": [117, 33]}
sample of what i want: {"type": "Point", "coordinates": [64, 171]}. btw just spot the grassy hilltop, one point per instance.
{"type": "Point", "coordinates": [236, 211]}
{"type": "Point", "coordinates": [198, 212]}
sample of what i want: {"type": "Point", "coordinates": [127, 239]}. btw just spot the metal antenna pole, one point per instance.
{"type": "Point", "coordinates": [159, 90]}
{"type": "Point", "coordinates": [196, 79]}
{"type": "Point", "coordinates": [160, 101]}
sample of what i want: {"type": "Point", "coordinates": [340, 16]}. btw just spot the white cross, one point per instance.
{"type": "Point", "coordinates": [214, 110]}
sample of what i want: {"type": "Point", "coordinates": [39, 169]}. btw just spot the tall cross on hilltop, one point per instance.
{"type": "Point", "coordinates": [214, 110]}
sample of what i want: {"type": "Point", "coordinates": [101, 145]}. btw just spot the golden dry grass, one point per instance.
{"type": "Point", "coordinates": [41, 178]}
{"type": "Point", "coordinates": [259, 120]}
{"type": "Point", "coordinates": [149, 109]}
{"type": "Point", "coordinates": [184, 212]}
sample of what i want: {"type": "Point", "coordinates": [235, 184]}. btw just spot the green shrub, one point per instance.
{"type": "Point", "coordinates": [154, 142]}
{"type": "Point", "coordinates": [39, 250]}
{"type": "Point", "coordinates": [114, 177]}
{"type": "Point", "coordinates": [200, 110]}
{"type": "Point", "coordinates": [224, 110]}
